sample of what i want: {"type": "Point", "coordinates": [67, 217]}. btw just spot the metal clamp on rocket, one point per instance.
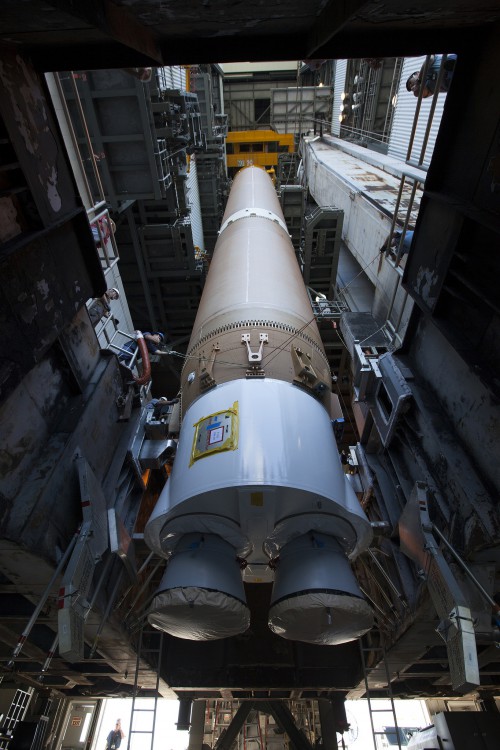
{"type": "Point", "coordinates": [257, 492]}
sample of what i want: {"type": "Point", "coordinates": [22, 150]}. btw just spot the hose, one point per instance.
{"type": "Point", "coordinates": [144, 355]}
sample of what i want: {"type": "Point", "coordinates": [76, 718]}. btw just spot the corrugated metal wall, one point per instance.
{"type": "Point", "coordinates": [193, 193]}
{"type": "Point", "coordinates": [338, 88]}
{"type": "Point", "coordinates": [403, 118]}
{"type": "Point", "coordinates": [174, 77]}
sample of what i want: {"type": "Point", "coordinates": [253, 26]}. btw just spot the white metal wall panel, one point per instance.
{"type": "Point", "coordinates": [241, 114]}
{"type": "Point", "coordinates": [193, 194]}
{"type": "Point", "coordinates": [338, 88]}
{"type": "Point", "coordinates": [239, 98]}
{"type": "Point", "coordinates": [298, 109]}
{"type": "Point", "coordinates": [174, 77]}
{"type": "Point", "coordinates": [403, 118]}
{"type": "Point", "coordinates": [179, 75]}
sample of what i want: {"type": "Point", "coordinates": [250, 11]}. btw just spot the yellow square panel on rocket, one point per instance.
{"type": "Point", "coordinates": [216, 433]}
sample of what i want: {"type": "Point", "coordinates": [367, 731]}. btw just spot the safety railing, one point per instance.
{"type": "Point", "coordinates": [103, 231]}
{"type": "Point", "coordinates": [162, 157]}
{"type": "Point", "coordinates": [430, 116]}
{"type": "Point", "coordinates": [398, 246]}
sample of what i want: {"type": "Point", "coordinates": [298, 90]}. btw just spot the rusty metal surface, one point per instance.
{"type": "Point", "coordinates": [49, 267]}
{"type": "Point", "coordinates": [147, 30]}
{"type": "Point", "coordinates": [42, 286]}
{"type": "Point", "coordinates": [375, 183]}
{"type": "Point", "coordinates": [34, 134]}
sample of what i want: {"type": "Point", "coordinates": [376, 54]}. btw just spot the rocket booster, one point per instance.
{"type": "Point", "coordinates": [257, 492]}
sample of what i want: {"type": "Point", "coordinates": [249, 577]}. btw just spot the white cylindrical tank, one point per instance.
{"type": "Point", "coordinates": [257, 463]}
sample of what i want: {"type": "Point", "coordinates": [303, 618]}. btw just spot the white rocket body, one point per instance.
{"type": "Point", "coordinates": [257, 489]}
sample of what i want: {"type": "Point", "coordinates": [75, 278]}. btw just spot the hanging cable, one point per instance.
{"type": "Point", "coordinates": [342, 289]}
{"type": "Point", "coordinates": [281, 348]}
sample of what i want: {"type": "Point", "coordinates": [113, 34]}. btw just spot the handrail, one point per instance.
{"type": "Point", "coordinates": [417, 110]}
{"type": "Point", "coordinates": [94, 218]}
{"type": "Point", "coordinates": [88, 141]}
{"type": "Point", "coordinates": [74, 139]}
{"type": "Point", "coordinates": [433, 108]}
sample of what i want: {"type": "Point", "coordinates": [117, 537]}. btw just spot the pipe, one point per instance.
{"type": "Point", "coordinates": [482, 591]}
{"type": "Point", "coordinates": [52, 650]}
{"type": "Point", "coordinates": [41, 603]}
{"type": "Point", "coordinates": [432, 110]}
{"type": "Point", "coordinates": [417, 109]}
{"type": "Point", "coordinates": [387, 579]}
{"type": "Point", "coordinates": [76, 148]}
{"type": "Point", "coordinates": [106, 612]}
{"type": "Point", "coordinates": [88, 139]}
{"type": "Point", "coordinates": [129, 588]}
{"type": "Point", "coordinates": [146, 364]}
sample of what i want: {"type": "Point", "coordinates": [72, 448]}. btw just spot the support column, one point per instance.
{"type": "Point", "coordinates": [226, 740]}
{"type": "Point", "coordinates": [329, 718]}
{"type": "Point", "coordinates": [284, 717]}
{"type": "Point", "coordinates": [197, 725]}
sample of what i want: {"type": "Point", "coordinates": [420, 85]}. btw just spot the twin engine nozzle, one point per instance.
{"type": "Point", "coordinates": [315, 596]}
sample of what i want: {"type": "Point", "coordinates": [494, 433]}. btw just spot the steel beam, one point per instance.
{"type": "Point", "coordinates": [226, 739]}
{"type": "Point", "coordinates": [327, 720]}
{"type": "Point", "coordinates": [284, 718]}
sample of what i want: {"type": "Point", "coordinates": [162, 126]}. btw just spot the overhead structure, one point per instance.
{"type": "Point", "coordinates": [107, 34]}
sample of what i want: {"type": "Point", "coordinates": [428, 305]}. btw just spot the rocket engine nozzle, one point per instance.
{"type": "Point", "coordinates": [315, 597]}
{"type": "Point", "coordinates": [201, 595]}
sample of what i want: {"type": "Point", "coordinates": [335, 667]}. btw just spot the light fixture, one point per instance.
{"type": "Point", "coordinates": [394, 100]}
{"type": "Point", "coordinates": [344, 96]}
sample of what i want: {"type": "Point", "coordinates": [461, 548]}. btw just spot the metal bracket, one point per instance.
{"type": "Point", "coordinates": [306, 375]}
{"type": "Point", "coordinates": [254, 356]}
{"type": "Point", "coordinates": [367, 375]}
{"type": "Point", "coordinates": [206, 368]}
{"type": "Point", "coordinates": [73, 597]}
{"type": "Point", "coordinates": [302, 364]}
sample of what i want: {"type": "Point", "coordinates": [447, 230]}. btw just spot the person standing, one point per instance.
{"type": "Point", "coordinates": [153, 341]}
{"type": "Point", "coordinates": [101, 307]}
{"type": "Point", "coordinates": [416, 81]}
{"type": "Point", "coordinates": [114, 738]}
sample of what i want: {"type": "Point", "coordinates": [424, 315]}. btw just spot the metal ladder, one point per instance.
{"type": "Point", "coordinates": [252, 732]}
{"type": "Point", "coordinates": [388, 696]}
{"type": "Point", "coordinates": [151, 653]}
